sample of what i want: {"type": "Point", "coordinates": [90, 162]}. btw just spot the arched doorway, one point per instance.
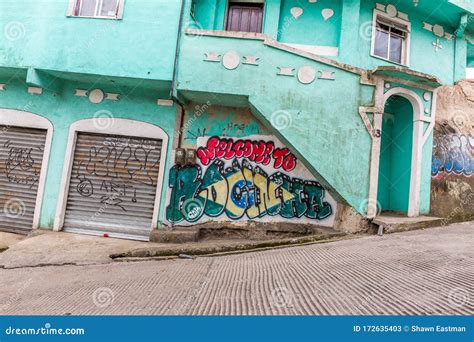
{"type": "Point", "coordinates": [396, 155]}
{"type": "Point", "coordinates": [398, 152]}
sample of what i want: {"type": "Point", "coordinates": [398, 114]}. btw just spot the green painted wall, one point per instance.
{"type": "Point", "coordinates": [423, 56]}
{"type": "Point", "coordinates": [349, 29]}
{"type": "Point", "coordinates": [133, 57]}
{"type": "Point", "coordinates": [64, 108]}
{"type": "Point", "coordinates": [325, 131]}
{"type": "Point", "coordinates": [141, 45]}
{"type": "Point", "coordinates": [200, 121]}
{"type": "Point", "coordinates": [324, 127]}
{"type": "Point", "coordinates": [310, 28]}
{"type": "Point", "coordinates": [323, 116]}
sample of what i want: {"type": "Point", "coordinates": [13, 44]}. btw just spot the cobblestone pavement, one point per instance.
{"type": "Point", "coordinates": [414, 273]}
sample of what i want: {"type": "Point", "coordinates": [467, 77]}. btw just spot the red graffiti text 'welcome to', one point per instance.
{"type": "Point", "coordinates": [260, 152]}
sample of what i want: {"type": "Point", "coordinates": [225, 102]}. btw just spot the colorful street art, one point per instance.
{"type": "Point", "coordinates": [453, 154]}
{"type": "Point", "coordinates": [260, 152]}
{"type": "Point", "coordinates": [239, 182]}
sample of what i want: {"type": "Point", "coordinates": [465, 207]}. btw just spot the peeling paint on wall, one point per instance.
{"type": "Point", "coordinates": [203, 121]}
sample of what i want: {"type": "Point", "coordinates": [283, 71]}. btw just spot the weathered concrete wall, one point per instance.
{"type": "Point", "coordinates": [452, 194]}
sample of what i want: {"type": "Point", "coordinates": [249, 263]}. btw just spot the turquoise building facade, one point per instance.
{"type": "Point", "coordinates": [120, 117]}
{"type": "Point", "coordinates": [71, 73]}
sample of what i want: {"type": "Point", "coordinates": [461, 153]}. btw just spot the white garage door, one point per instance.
{"type": "Point", "coordinates": [113, 186]}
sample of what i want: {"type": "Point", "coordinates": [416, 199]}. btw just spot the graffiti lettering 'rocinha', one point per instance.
{"type": "Point", "coordinates": [240, 188]}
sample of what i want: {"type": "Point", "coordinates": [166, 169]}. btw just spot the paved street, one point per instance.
{"type": "Point", "coordinates": [414, 273]}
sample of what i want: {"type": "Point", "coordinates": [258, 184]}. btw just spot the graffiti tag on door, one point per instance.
{"type": "Point", "coordinates": [112, 171]}
{"type": "Point", "coordinates": [231, 181]}
{"type": "Point", "coordinates": [20, 164]}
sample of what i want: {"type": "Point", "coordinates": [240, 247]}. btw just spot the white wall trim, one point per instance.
{"type": "Point", "coordinates": [18, 118]}
{"type": "Point", "coordinates": [375, 150]}
{"type": "Point", "coordinates": [124, 127]}
{"type": "Point", "coordinates": [417, 151]}
{"type": "Point", "coordinates": [320, 50]}
{"type": "Point", "coordinates": [432, 118]}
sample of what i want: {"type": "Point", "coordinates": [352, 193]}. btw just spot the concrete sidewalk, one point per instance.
{"type": "Point", "coordinates": [8, 239]}
{"type": "Point", "coordinates": [46, 248]}
{"type": "Point", "coordinates": [423, 272]}
{"type": "Point", "coordinates": [59, 248]}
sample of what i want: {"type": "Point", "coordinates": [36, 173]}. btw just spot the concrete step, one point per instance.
{"type": "Point", "coordinates": [392, 223]}
{"type": "Point", "coordinates": [183, 235]}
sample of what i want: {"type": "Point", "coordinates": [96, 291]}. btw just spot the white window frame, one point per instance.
{"type": "Point", "coordinates": [405, 49]}
{"type": "Point", "coordinates": [71, 12]}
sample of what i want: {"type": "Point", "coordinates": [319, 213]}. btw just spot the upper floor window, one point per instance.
{"type": "Point", "coordinates": [109, 9]}
{"type": "Point", "coordinates": [244, 16]}
{"type": "Point", "coordinates": [390, 39]}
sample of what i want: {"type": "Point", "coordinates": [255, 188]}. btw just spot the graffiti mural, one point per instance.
{"type": "Point", "coordinates": [260, 152]}
{"type": "Point", "coordinates": [453, 154]}
{"type": "Point", "coordinates": [244, 180]}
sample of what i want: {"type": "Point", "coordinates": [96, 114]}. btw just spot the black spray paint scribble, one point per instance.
{"type": "Point", "coordinates": [21, 166]}
{"type": "Point", "coordinates": [111, 172]}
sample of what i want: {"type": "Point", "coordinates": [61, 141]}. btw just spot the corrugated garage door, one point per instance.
{"type": "Point", "coordinates": [21, 158]}
{"type": "Point", "coordinates": [113, 186]}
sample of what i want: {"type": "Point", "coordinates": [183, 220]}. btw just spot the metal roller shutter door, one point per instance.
{"type": "Point", "coordinates": [113, 186]}
{"type": "Point", "coordinates": [21, 158]}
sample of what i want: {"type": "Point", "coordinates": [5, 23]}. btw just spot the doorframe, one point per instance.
{"type": "Point", "coordinates": [419, 139]}
{"type": "Point", "coordinates": [116, 126]}
{"type": "Point", "coordinates": [19, 118]}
